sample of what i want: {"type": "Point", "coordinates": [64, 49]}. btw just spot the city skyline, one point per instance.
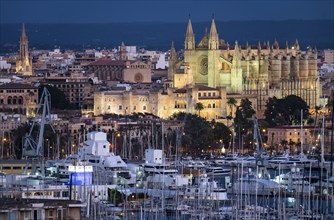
{"type": "Point", "coordinates": [161, 11]}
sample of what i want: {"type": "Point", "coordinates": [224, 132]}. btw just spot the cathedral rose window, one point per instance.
{"type": "Point", "coordinates": [203, 68]}
{"type": "Point", "coordinates": [139, 77]}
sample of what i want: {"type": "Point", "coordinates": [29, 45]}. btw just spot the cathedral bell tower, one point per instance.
{"type": "Point", "coordinates": [213, 56]}
{"type": "Point", "coordinates": [123, 54]}
{"type": "Point", "coordinates": [172, 62]}
{"type": "Point", "coordinates": [189, 43]}
{"type": "Point", "coordinates": [24, 62]}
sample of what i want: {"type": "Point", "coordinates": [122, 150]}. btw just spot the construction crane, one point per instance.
{"type": "Point", "coordinates": [33, 148]}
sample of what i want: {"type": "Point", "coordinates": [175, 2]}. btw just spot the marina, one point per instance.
{"type": "Point", "coordinates": [109, 188]}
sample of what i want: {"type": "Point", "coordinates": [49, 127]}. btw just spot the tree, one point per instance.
{"type": "Point", "coordinates": [286, 111]}
{"type": "Point", "coordinates": [244, 119]}
{"type": "Point", "coordinates": [231, 102]}
{"type": "Point", "coordinates": [199, 107]}
{"type": "Point", "coordinates": [316, 110]}
{"type": "Point", "coordinates": [199, 134]}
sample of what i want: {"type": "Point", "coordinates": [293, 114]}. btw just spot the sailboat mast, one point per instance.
{"type": "Point", "coordinates": [301, 131]}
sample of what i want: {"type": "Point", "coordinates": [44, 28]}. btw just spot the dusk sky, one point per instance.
{"type": "Point", "coordinates": [87, 11]}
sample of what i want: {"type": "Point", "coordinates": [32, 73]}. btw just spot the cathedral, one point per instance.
{"type": "Point", "coordinates": [24, 61]}
{"type": "Point", "coordinates": [262, 71]}
{"type": "Point", "coordinates": [212, 72]}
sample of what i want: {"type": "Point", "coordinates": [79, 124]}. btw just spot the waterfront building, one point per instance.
{"type": "Point", "coordinates": [24, 61]}
{"type": "Point", "coordinates": [293, 135]}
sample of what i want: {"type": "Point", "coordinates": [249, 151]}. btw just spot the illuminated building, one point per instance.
{"type": "Point", "coordinates": [24, 61]}
{"type": "Point", "coordinates": [212, 72]}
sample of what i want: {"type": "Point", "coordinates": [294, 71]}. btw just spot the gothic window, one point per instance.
{"type": "Point", "coordinates": [203, 66]}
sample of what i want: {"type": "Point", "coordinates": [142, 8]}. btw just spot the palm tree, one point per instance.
{"type": "Point", "coordinates": [317, 110]}
{"type": "Point", "coordinates": [231, 102]}
{"type": "Point", "coordinates": [199, 107]}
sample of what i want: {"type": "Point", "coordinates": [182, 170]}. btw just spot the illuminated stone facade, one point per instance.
{"type": "Point", "coordinates": [162, 103]}
{"type": "Point", "coordinates": [264, 71]}
{"type": "Point", "coordinates": [18, 98]}
{"type": "Point", "coordinates": [24, 61]}
{"type": "Point", "coordinates": [212, 73]}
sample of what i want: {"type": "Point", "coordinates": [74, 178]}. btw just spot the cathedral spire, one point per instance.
{"type": "Point", "coordinates": [259, 49]}
{"type": "Point", "coordinates": [296, 45]}
{"type": "Point", "coordinates": [286, 47]}
{"type": "Point", "coordinates": [236, 56]}
{"type": "Point", "coordinates": [172, 62]}
{"type": "Point", "coordinates": [24, 62]}
{"type": "Point", "coordinates": [24, 35]}
{"type": "Point", "coordinates": [213, 38]}
{"type": "Point", "coordinates": [172, 52]}
{"type": "Point", "coordinates": [189, 43]}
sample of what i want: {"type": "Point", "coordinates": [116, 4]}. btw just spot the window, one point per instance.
{"type": "Point", "coordinates": [213, 105]}
{"type": "Point", "coordinates": [199, 94]}
{"type": "Point", "coordinates": [120, 107]}
{"type": "Point", "coordinates": [144, 107]}
{"type": "Point", "coordinates": [204, 94]}
{"type": "Point", "coordinates": [209, 105]}
{"type": "Point", "coordinates": [209, 94]}
{"type": "Point", "coordinates": [213, 94]}
{"type": "Point", "coordinates": [134, 107]}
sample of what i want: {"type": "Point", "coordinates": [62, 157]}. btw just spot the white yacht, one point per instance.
{"type": "Point", "coordinates": [256, 184]}
{"type": "Point", "coordinates": [279, 159]}
{"type": "Point", "coordinates": [158, 172]}
{"type": "Point", "coordinates": [216, 171]}
{"type": "Point", "coordinates": [206, 189]}
{"type": "Point", "coordinates": [108, 168]}
{"type": "Point", "coordinates": [294, 181]}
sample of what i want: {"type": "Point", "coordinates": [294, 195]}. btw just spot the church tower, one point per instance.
{"type": "Point", "coordinates": [236, 71]}
{"type": "Point", "coordinates": [123, 54]}
{"type": "Point", "coordinates": [213, 37]}
{"type": "Point", "coordinates": [213, 56]}
{"type": "Point", "coordinates": [24, 62]}
{"type": "Point", "coordinates": [189, 43]}
{"type": "Point", "coordinates": [172, 62]}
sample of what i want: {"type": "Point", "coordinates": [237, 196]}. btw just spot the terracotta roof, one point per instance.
{"type": "Point", "coordinates": [108, 63]}
{"type": "Point", "coordinates": [16, 86]}
{"type": "Point", "coordinates": [180, 91]}
{"type": "Point", "coordinates": [206, 88]}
